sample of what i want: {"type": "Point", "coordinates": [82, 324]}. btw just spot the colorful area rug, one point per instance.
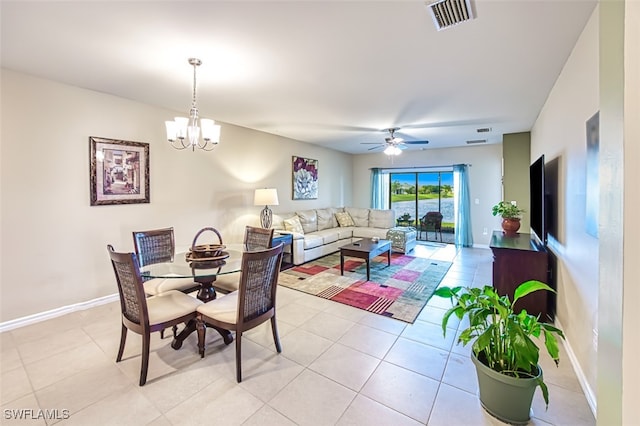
{"type": "Point", "coordinates": [398, 291]}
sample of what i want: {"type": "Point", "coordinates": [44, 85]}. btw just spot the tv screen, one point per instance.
{"type": "Point", "coordinates": [537, 204]}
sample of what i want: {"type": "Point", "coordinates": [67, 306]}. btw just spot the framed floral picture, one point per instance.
{"type": "Point", "coordinates": [305, 178]}
{"type": "Point", "coordinates": [118, 171]}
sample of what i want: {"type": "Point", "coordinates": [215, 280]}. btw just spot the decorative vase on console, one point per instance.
{"type": "Point", "coordinates": [510, 214]}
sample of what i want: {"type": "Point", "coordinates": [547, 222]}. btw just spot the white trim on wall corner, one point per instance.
{"type": "Point", "coordinates": [43, 316]}
{"type": "Point", "coordinates": [582, 379]}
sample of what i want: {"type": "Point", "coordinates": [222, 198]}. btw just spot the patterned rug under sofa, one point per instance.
{"type": "Point", "coordinates": [398, 291]}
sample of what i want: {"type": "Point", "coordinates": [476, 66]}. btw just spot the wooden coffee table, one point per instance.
{"type": "Point", "coordinates": [365, 249]}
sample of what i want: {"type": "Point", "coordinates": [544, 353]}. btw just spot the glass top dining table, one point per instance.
{"type": "Point", "coordinates": [202, 272]}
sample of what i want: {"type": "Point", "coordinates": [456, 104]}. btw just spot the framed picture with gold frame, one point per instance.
{"type": "Point", "coordinates": [118, 171]}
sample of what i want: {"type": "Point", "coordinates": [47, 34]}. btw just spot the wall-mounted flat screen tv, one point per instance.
{"type": "Point", "coordinates": [537, 202]}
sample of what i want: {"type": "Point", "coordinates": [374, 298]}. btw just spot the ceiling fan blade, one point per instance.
{"type": "Point", "coordinates": [370, 143]}
{"type": "Point", "coordinates": [374, 148]}
{"type": "Point", "coordinates": [416, 142]}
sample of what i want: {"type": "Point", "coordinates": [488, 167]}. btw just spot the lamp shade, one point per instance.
{"type": "Point", "coordinates": [265, 197]}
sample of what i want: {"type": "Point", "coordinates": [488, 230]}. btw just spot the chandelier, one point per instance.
{"type": "Point", "coordinates": [185, 132]}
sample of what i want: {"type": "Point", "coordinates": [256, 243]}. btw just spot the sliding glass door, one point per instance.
{"type": "Point", "coordinates": [413, 194]}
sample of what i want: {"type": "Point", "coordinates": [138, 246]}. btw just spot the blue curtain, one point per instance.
{"type": "Point", "coordinates": [462, 201]}
{"type": "Point", "coordinates": [376, 189]}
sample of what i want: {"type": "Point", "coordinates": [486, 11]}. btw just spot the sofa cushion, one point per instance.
{"type": "Point", "coordinates": [328, 235]}
{"type": "Point", "coordinates": [325, 219]}
{"type": "Point", "coordinates": [381, 218]}
{"type": "Point", "coordinates": [312, 241]}
{"type": "Point", "coordinates": [309, 220]}
{"type": "Point", "coordinates": [293, 224]}
{"type": "Point", "coordinates": [346, 232]}
{"type": "Point", "coordinates": [360, 216]}
{"type": "Point", "coordinates": [344, 219]}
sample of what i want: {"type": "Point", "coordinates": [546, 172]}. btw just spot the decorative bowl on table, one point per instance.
{"type": "Point", "coordinates": [207, 253]}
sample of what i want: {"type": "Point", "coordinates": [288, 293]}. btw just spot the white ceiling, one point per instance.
{"type": "Point", "coordinates": [332, 73]}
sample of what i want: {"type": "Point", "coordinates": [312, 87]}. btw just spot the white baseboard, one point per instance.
{"type": "Point", "coordinates": [582, 379]}
{"type": "Point", "coordinates": [43, 316]}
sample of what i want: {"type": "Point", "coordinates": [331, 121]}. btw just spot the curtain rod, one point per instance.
{"type": "Point", "coordinates": [420, 167]}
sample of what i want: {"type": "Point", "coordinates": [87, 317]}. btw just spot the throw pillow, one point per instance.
{"type": "Point", "coordinates": [293, 224]}
{"type": "Point", "coordinates": [344, 219]}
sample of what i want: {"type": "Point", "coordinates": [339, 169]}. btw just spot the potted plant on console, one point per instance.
{"type": "Point", "coordinates": [503, 350]}
{"type": "Point", "coordinates": [510, 214]}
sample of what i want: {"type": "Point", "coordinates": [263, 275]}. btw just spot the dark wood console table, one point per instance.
{"type": "Point", "coordinates": [517, 259]}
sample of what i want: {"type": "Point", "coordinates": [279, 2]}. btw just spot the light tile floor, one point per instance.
{"type": "Point", "coordinates": [339, 366]}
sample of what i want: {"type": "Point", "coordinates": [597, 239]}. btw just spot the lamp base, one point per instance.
{"type": "Point", "coordinates": [266, 217]}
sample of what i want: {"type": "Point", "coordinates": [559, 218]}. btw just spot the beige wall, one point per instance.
{"type": "Point", "coordinates": [630, 388]}
{"type": "Point", "coordinates": [484, 179]}
{"type": "Point", "coordinates": [515, 152]}
{"type": "Point", "coordinates": [53, 242]}
{"type": "Point", "coordinates": [560, 132]}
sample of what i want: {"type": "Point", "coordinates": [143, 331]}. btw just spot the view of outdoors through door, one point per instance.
{"type": "Point", "coordinates": [414, 194]}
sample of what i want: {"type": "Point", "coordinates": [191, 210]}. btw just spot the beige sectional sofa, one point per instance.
{"type": "Point", "coordinates": [319, 232]}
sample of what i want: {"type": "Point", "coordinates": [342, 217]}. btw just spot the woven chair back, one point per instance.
{"type": "Point", "coordinates": [258, 282]}
{"type": "Point", "coordinates": [434, 219]}
{"type": "Point", "coordinates": [154, 246]}
{"type": "Point", "coordinates": [132, 298]}
{"type": "Point", "coordinates": [257, 238]}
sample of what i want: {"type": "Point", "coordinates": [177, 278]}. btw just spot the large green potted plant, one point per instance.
{"type": "Point", "coordinates": [510, 214]}
{"type": "Point", "coordinates": [503, 350]}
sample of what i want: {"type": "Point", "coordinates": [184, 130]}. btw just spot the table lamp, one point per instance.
{"type": "Point", "coordinates": [266, 197]}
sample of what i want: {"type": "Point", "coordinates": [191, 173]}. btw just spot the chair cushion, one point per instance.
{"type": "Point", "coordinates": [156, 286]}
{"type": "Point", "coordinates": [227, 282]}
{"type": "Point", "coordinates": [170, 305]}
{"type": "Point", "coordinates": [224, 308]}
{"type": "Point", "coordinates": [344, 219]}
{"type": "Point", "coordinates": [293, 224]}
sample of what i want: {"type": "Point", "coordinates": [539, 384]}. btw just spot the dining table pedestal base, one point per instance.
{"type": "Point", "coordinates": [206, 293]}
{"type": "Point", "coordinates": [227, 337]}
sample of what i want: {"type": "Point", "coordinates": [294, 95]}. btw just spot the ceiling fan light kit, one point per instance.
{"type": "Point", "coordinates": [394, 145]}
{"type": "Point", "coordinates": [392, 150]}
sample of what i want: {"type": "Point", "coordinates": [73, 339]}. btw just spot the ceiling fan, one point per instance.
{"type": "Point", "coordinates": [393, 145]}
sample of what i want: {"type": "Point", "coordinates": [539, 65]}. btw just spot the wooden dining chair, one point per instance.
{"type": "Point", "coordinates": [250, 306]}
{"type": "Point", "coordinates": [254, 239]}
{"type": "Point", "coordinates": [155, 246]}
{"type": "Point", "coordinates": [142, 314]}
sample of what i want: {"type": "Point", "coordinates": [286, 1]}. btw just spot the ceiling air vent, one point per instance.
{"type": "Point", "coordinates": [447, 13]}
{"type": "Point", "coordinates": [476, 141]}
{"type": "Point", "coordinates": [483, 130]}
